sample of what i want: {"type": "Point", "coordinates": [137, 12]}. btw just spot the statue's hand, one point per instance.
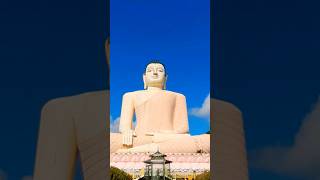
{"type": "Point", "coordinates": [149, 134]}
{"type": "Point", "coordinates": [127, 137]}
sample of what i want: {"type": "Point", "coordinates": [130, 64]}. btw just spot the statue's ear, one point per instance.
{"type": "Point", "coordinates": [144, 81]}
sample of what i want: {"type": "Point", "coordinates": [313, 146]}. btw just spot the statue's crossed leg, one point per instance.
{"type": "Point", "coordinates": [173, 144]}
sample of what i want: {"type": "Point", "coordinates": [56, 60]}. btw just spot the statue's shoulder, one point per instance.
{"type": "Point", "coordinates": [142, 92]}
{"type": "Point", "coordinates": [91, 95]}
{"type": "Point", "coordinates": [133, 93]}
{"type": "Point", "coordinates": [74, 101]}
{"type": "Point", "coordinates": [224, 107]}
{"type": "Point", "coordinates": [175, 94]}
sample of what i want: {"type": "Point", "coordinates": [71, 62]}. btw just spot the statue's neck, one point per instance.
{"type": "Point", "coordinates": [153, 88]}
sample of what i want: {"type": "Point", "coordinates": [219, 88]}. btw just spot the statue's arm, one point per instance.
{"type": "Point", "coordinates": [181, 115]}
{"type": "Point", "coordinates": [127, 111]}
{"type": "Point", "coordinates": [56, 147]}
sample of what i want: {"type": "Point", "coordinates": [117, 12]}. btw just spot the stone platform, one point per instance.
{"type": "Point", "coordinates": [181, 162]}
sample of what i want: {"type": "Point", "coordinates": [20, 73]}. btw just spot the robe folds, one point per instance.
{"type": "Point", "coordinates": [73, 127]}
{"type": "Point", "coordinates": [156, 112]}
{"type": "Point", "coordinates": [163, 114]}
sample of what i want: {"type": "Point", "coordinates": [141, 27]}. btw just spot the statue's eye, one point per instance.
{"type": "Point", "coordinates": [160, 70]}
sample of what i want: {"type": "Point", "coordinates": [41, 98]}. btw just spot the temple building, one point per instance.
{"type": "Point", "coordinates": [182, 165]}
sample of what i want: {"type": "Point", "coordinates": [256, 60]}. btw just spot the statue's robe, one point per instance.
{"type": "Point", "coordinates": [159, 111]}
{"type": "Point", "coordinates": [70, 126]}
{"type": "Point", "coordinates": [164, 114]}
{"type": "Point", "coordinates": [229, 158]}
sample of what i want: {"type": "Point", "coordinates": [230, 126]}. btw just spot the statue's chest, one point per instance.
{"type": "Point", "coordinates": [153, 101]}
{"type": "Point", "coordinates": [157, 98]}
{"type": "Point", "coordinates": [156, 112]}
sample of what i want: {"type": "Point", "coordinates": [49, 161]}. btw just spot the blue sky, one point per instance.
{"type": "Point", "coordinates": [178, 34]}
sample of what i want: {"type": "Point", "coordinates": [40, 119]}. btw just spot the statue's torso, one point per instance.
{"type": "Point", "coordinates": [154, 110]}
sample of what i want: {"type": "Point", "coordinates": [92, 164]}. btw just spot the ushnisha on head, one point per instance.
{"type": "Point", "coordinates": [155, 75]}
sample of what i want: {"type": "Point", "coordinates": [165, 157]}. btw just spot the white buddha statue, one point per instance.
{"type": "Point", "coordinates": [162, 119]}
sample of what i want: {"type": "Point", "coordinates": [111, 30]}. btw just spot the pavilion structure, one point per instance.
{"type": "Point", "coordinates": [157, 167]}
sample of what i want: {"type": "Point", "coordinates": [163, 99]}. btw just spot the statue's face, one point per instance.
{"type": "Point", "coordinates": [155, 74]}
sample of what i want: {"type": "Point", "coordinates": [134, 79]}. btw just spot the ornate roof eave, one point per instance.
{"type": "Point", "coordinates": [157, 162]}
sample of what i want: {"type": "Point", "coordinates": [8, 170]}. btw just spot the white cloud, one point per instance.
{"type": "Point", "coordinates": [27, 178]}
{"type": "Point", "coordinates": [204, 110]}
{"type": "Point", "coordinates": [300, 159]}
{"type": "Point", "coordinates": [3, 175]}
{"type": "Point", "coordinates": [114, 124]}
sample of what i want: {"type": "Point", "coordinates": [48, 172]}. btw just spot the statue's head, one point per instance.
{"type": "Point", "coordinates": [155, 75]}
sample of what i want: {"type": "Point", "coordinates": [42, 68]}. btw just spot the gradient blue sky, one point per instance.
{"type": "Point", "coordinates": [178, 34]}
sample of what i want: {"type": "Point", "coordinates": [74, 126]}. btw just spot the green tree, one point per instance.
{"type": "Point", "coordinates": [117, 174]}
{"type": "Point", "coordinates": [203, 176]}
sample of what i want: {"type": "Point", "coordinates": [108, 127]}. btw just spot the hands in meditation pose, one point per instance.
{"type": "Point", "coordinates": [162, 119]}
